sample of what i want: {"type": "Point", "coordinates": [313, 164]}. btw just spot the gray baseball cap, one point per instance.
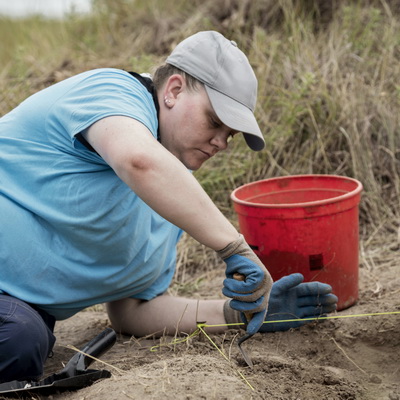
{"type": "Point", "coordinates": [228, 78]}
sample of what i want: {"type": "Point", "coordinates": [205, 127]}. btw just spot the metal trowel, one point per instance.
{"type": "Point", "coordinates": [249, 316]}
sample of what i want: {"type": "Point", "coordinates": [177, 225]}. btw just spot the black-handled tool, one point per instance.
{"type": "Point", "coordinates": [74, 376]}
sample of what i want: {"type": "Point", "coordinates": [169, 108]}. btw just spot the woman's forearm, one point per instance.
{"type": "Point", "coordinates": [165, 315]}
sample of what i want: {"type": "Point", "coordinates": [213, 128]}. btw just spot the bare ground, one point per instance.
{"type": "Point", "coordinates": [345, 358]}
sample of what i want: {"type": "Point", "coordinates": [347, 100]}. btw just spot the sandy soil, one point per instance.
{"type": "Point", "coordinates": [346, 358]}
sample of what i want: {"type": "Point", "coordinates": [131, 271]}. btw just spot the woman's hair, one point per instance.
{"type": "Point", "coordinates": [163, 72]}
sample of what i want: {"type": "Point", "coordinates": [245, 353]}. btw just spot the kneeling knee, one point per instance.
{"type": "Point", "coordinates": [24, 347]}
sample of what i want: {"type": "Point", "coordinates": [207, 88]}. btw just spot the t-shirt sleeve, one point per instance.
{"type": "Point", "coordinates": [96, 95]}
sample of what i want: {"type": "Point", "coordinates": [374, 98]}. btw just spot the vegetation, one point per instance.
{"type": "Point", "coordinates": [329, 87]}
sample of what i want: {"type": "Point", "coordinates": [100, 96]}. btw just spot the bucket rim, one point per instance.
{"type": "Point", "coordinates": [357, 190]}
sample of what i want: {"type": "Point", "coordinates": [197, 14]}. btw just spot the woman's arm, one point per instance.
{"type": "Point", "coordinates": [290, 299]}
{"type": "Point", "coordinates": [164, 183]}
{"type": "Point", "coordinates": [160, 179]}
{"type": "Point", "coordinates": [165, 315]}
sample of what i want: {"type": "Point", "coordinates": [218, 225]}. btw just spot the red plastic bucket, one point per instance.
{"type": "Point", "coordinates": [306, 224]}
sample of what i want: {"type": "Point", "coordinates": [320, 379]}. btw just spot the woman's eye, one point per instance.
{"type": "Point", "coordinates": [214, 123]}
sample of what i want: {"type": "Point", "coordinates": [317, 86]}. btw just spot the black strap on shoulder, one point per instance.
{"type": "Point", "coordinates": [79, 137]}
{"type": "Point", "coordinates": [148, 84]}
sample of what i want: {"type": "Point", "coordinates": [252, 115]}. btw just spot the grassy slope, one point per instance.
{"type": "Point", "coordinates": [329, 88]}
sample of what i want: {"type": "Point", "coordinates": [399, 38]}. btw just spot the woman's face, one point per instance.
{"type": "Point", "coordinates": [189, 127]}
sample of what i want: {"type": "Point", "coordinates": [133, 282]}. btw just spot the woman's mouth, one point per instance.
{"type": "Point", "coordinates": [207, 155]}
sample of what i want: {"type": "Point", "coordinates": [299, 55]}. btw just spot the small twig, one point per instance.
{"type": "Point", "coordinates": [225, 356]}
{"type": "Point", "coordinates": [165, 375]}
{"type": "Point", "coordinates": [127, 395]}
{"type": "Point", "coordinates": [177, 326]}
{"type": "Point", "coordinates": [70, 346]}
{"type": "Point", "coordinates": [341, 349]}
{"type": "Point", "coordinates": [231, 345]}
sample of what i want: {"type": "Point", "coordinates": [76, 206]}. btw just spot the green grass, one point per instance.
{"type": "Point", "coordinates": [329, 91]}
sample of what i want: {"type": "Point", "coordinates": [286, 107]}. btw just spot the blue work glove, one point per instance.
{"type": "Point", "coordinates": [291, 299]}
{"type": "Point", "coordinates": [250, 295]}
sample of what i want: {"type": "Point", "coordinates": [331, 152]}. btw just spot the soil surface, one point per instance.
{"type": "Point", "coordinates": [343, 358]}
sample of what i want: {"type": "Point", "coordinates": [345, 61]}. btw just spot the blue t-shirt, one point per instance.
{"type": "Point", "coordinates": [72, 234]}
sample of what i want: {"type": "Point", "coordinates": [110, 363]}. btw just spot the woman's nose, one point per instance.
{"type": "Point", "coordinates": [220, 140]}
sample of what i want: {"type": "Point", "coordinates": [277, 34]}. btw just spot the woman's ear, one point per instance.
{"type": "Point", "coordinates": [174, 86]}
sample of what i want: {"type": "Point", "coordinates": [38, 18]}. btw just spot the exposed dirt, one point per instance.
{"type": "Point", "coordinates": [346, 358]}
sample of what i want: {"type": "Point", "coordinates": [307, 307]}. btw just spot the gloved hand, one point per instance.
{"type": "Point", "coordinates": [250, 296]}
{"type": "Point", "coordinates": [291, 299]}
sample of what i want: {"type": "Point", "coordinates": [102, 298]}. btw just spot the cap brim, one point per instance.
{"type": "Point", "coordinates": [237, 117]}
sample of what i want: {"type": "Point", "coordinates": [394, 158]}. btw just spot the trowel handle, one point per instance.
{"type": "Point", "coordinates": [241, 277]}
{"type": "Point", "coordinates": [99, 345]}
{"type": "Point", "coordinates": [95, 348]}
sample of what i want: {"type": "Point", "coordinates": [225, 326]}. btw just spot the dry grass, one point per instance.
{"type": "Point", "coordinates": [329, 91]}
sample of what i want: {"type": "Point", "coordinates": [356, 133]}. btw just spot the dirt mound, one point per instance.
{"type": "Point", "coordinates": [345, 358]}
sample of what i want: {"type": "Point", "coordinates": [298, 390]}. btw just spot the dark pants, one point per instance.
{"type": "Point", "coordinates": [26, 339]}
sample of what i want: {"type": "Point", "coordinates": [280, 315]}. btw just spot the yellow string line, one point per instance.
{"type": "Point", "coordinates": [200, 326]}
{"type": "Point", "coordinates": [309, 319]}
{"type": "Point", "coordinates": [176, 340]}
